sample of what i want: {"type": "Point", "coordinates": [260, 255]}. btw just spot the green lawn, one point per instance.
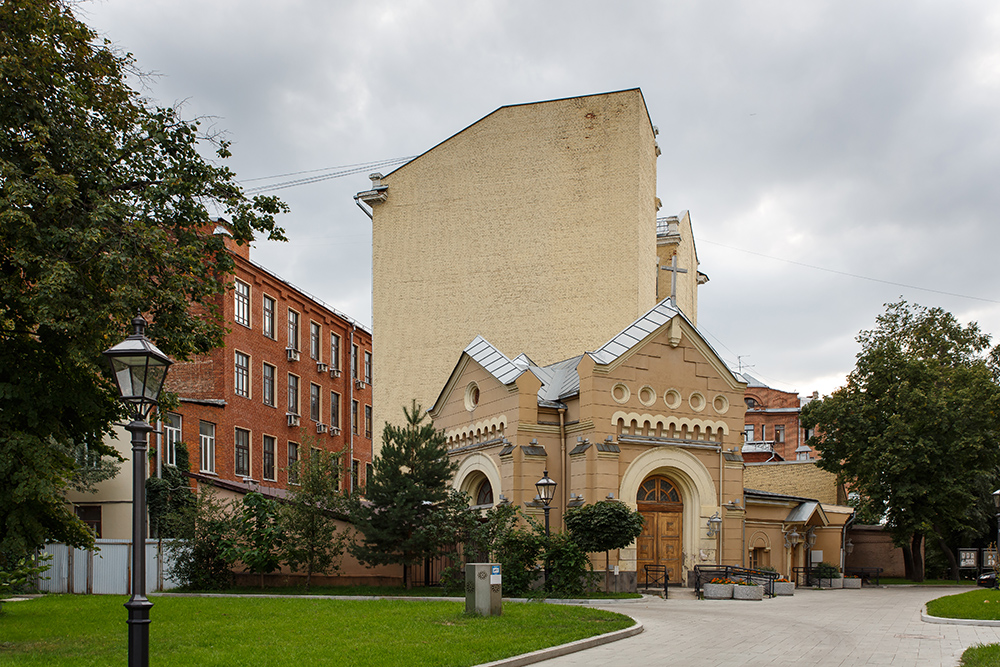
{"type": "Point", "coordinates": [91, 630]}
{"type": "Point", "coordinates": [981, 656]}
{"type": "Point", "coordinates": [899, 581]}
{"type": "Point", "coordinates": [982, 603]}
{"type": "Point", "coordinates": [387, 591]}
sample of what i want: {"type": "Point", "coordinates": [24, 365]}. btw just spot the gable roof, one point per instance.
{"type": "Point", "coordinates": [636, 332]}
{"type": "Point", "coordinates": [494, 361]}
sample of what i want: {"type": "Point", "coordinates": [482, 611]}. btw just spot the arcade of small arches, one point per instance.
{"type": "Point", "coordinates": [660, 426]}
{"type": "Point", "coordinates": [474, 434]}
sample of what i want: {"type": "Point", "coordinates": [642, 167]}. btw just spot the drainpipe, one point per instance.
{"type": "Point", "coordinates": [353, 363]}
{"type": "Point", "coordinates": [843, 542]}
{"type": "Point", "coordinates": [564, 457]}
{"type": "Point", "coordinates": [159, 448]}
{"type": "Point", "coordinates": [718, 556]}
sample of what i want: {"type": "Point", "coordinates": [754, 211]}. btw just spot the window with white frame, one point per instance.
{"type": "Point", "coordinates": [314, 401]}
{"type": "Point", "coordinates": [267, 385]}
{"type": "Point", "coordinates": [748, 433]}
{"type": "Point", "coordinates": [241, 295]}
{"type": "Point", "coordinates": [368, 421]}
{"type": "Point", "coordinates": [314, 340]}
{"type": "Point", "coordinates": [368, 367]}
{"type": "Point", "coordinates": [268, 317]}
{"type": "Point", "coordinates": [293, 459]}
{"type": "Point", "coordinates": [206, 437]}
{"type": "Point", "coordinates": [268, 461]}
{"type": "Point", "coordinates": [334, 351]}
{"type": "Point", "coordinates": [293, 394]}
{"type": "Point", "coordinates": [241, 453]}
{"type": "Point", "coordinates": [334, 410]}
{"type": "Point", "coordinates": [779, 433]}
{"type": "Point", "coordinates": [172, 434]}
{"type": "Point", "coordinates": [354, 361]}
{"type": "Point", "coordinates": [242, 383]}
{"type": "Point", "coordinates": [354, 417]}
{"type": "Point", "coordinates": [293, 329]}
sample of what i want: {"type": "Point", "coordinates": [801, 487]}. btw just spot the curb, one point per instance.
{"type": "Point", "coordinates": [957, 621]}
{"type": "Point", "coordinates": [566, 649]}
{"type": "Point", "coordinates": [580, 601]}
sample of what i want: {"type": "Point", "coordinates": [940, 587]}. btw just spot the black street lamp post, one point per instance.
{"type": "Point", "coordinates": [140, 369]}
{"type": "Point", "coordinates": [996, 547]}
{"type": "Point", "coordinates": [546, 489]}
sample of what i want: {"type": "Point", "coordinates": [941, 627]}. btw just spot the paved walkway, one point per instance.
{"type": "Point", "coordinates": [873, 626]}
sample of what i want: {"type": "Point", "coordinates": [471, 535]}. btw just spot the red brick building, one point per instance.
{"type": "Point", "coordinates": [772, 431]}
{"type": "Point", "coordinates": [292, 374]}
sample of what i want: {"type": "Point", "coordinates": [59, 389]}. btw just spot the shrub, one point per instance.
{"type": "Point", "coordinates": [826, 571]}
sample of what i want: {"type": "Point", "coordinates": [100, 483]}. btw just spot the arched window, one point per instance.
{"type": "Point", "coordinates": [484, 494]}
{"type": "Point", "coordinates": [658, 490]}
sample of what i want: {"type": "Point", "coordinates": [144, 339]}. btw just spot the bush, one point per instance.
{"type": "Point", "coordinates": [570, 571]}
{"type": "Point", "coordinates": [199, 556]}
{"type": "Point", "coordinates": [826, 571]}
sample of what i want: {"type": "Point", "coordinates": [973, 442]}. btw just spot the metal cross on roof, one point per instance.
{"type": "Point", "coordinates": [673, 277]}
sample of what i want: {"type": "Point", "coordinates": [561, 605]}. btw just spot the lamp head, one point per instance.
{"type": "Point", "coordinates": [546, 488]}
{"type": "Point", "coordinates": [139, 367]}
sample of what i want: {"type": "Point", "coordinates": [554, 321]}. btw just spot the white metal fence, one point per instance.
{"type": "Point", "coordinates": [107, 570]}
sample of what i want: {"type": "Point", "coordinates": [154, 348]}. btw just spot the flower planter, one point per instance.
{"type": "Point", "coordinates": [834, 582]}
{"type": "Point", "coordinates": [784, 588]}
{"type": "Point", "coordinates": [717, 591]}
{"type": "Point", "coordinates": [852, 582]}
{"type": "Point", "coordinates": [748, 592]}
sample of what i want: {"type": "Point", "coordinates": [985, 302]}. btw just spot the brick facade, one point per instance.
{"type": "Point", "coordinates": [795, 478]}
{"type": "Point", "coordinates": [771, 429]}
{"type": "Point", "coordinates": [214, 392]}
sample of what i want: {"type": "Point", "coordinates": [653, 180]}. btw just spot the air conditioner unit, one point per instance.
{"type": "Point", "coordinates": [360, 384]}
{"type": "Point", "coordinates": [321, 428]}
{"type": "Point", "coordinates": [321, 367]}
{"type": "Point", "coordinates": [334, 430]}
{"type": "Point", "coordinates": [293, 420]}
{"type": "Point", "coordinates": [335, 373]}
{"type": "Point", "coordinates": [293, 354]}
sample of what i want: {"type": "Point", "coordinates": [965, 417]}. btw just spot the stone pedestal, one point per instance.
{"type": "Point", "coordinates": [483, 589]}
{"type": "Point", "coordinates": [852, 582]}
{"type": "Point", "coordinates": [748, 592]}
{"type": "Point", "coordinates": [717, 591]}
{"type": "Point", "coordinates": [784, 588]}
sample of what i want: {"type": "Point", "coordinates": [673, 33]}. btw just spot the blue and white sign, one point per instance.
{"type": "Point", "coordinates": [494, 574]}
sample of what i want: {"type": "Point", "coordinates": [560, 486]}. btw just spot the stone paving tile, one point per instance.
{"type": "Point", "coordinates": [834, 628]}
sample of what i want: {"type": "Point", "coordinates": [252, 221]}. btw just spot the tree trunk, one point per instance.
{"type": "Point", "coordinates": [918, 558]}
{"type": "Point", "coordinates": [949, 554]}
{"type": "Point", "coordinates": [607, 571]}
{"type": "Point", "coordinates": [309, 574]}
{"type": "Point", "coordinates": [406, 579]}
{"type": "Point", "coordinates": [907, 561]}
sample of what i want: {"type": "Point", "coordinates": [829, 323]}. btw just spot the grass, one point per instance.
{"type": "Point", "coordinates": [900, 581]}
{"type": "Point", "coordinates": [91, 630]}
{"type": "Point", "coordinates": [387, 591]}
{"type": "Point", "coordinates": [981, 604]}
{"type": "Point", "coordinates": [987, 655]}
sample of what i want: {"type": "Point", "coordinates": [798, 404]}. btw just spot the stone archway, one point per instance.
{"type": "Point", "coordinates": [472, 472]}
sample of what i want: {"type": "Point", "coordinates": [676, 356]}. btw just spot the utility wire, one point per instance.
{"type": "Point", "coordinates": [317, 179]}
{"type": "Point", "coordinates": [850, 275]}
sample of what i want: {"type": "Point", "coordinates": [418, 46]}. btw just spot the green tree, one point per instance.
{"type": "Point", "coordinates": [201, 558]}
{"type": "Point", "coordinates": [915, 430]}
{"type": "Point", "coordinates": [104, 201]}
{"type": "Point", "coordinates": [311, 514]}
{"type": "Point", "coordinates": [404, 516]}
{"type": "Point", "coordinates": [169, 497]}
{"type": "Point", "coordinates": [603, 526]}
{"type": "Point", "coordinates": [257, 537]}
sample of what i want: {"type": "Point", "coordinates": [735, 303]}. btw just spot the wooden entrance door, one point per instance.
{"type": "Point", "coordinates": [660, 542]}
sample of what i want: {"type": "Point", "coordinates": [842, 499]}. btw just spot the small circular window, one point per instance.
{"type": "Point", "coordinates": [620, 393]}
{"type": "Point", "coordinates": [647, 395]}
{"type": "Point", "coordinates": [471, 396]}
{"type": "Point", "coordinates": [721, 404]}
{"type": "Point", "coordinates": [672, 398]}
{"type": "Point", "coordinates": [697, 402]}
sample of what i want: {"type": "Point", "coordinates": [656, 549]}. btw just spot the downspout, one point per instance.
{"type": "Point", "coordinates": [159, 448]}
{"type": "Point", "coordinates": [843, 541]}
{"type": "Point", "coordinates": [357, 200]}
{"type": "Point", "coordinates": [722, 525]}
{"type": "Point", "coordinates": [355, 414]}
{"type": "Point", "coordinates": [564, 457]}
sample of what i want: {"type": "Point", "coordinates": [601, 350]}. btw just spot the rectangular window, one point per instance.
{"type": "Point", "coordinates": [368, 472]}
{"type": "Point", "coordinates": [90, 515]}
{"type": "Point", "coordinates": [172, 431]}
{"type": "Point", "coordinates": [334, 352]}
{"type": "Point", "coordinates": [293, 459]}
{"type": "Point", "coordinates": [354, 417]}
{"type": "Point", "coordinates": [269, 458]}
{"type": "Point", "coordinates": [334, 410]}
{"type": "Point", "coordinates": [763, 431]}
{"type": "Point", "coordinates": [368, 421]}
{"type": "Point", "coordinates": [314, 339]}
{"type": "Point", "coordinates": [241, 293]}
{"type": "Point", "coordinates": [268, 384]}
{"type": "Point", "coordinates": [293, 394]}
{"type": "Point", "coordinates": [206, 436]}
{"type": "Point", "coordinates": [293, 329]}
{"type": "Point", "coordinates": [779, 433]}
{"type": "Point", "coordinates": [241, 455]}
{"type": "Point", "coordinates": [354, 361]}
{"type": "Point", "coordinates": [355, 470]}
{"type": "Point", "coordinates": [314, 402]}
{"type": "Point", "coordinates": [748, 433]}
{"type": "Point", "coordinates": [242, 383]}
{"type": "Point", "coordinates": [368, 367]}
{"type": "Point", "coordinates": [269, 317]}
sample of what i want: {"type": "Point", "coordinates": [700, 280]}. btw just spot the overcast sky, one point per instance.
{"type": "Point", "coordinates": [834, 156]}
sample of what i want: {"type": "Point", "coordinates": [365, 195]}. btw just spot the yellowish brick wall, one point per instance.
{"type": "Point", "coordinates": [793, 478]}
{"type": "Point", "coordinates": [533, 227]}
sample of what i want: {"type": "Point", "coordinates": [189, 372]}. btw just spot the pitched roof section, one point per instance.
{"type": "Point", "coordinates": [660, 314]}
{"type": "Point", "coordinates": [493, 360]}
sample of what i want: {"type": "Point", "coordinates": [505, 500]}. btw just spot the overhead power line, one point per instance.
{"type": "Point", "coordinates": [345, 170]}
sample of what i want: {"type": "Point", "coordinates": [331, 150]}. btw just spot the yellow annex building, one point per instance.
{"type": "Point", "coordinates": [534, 232]}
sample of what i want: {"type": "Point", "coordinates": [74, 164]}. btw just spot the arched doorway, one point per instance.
{"type": "Point", "coordinates": [659, 502]}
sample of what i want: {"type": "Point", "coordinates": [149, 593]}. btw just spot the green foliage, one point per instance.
{"type": "Point", "coordinates": [104, 201]}
{"type": "Point", "coordinates": [826, 571]}
{"type": "Point", "coordinates": [169, 497]}
{"type": "Point", "coordinates": [200, 557]}
{"type": "Point", "coordinates": [915, 428]}
{"type": "Point", "coordinates": [257, 536]}
{"type": "Point", "coordinates": [404, 516]}
{"type": "Point", "coordinates": [310, 516]}
{"type": "Point", "coordinates": [20, 577]}
{"type": "Point", "coordinates": [570, 571]}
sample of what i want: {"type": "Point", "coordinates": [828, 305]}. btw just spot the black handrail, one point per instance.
{"type": "Point", "coordinates": [705, 573]}
{"type": "Point", "coordinates": [660, 576]}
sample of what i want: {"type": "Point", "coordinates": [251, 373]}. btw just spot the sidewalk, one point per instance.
{"type": "Point", "coordinates": [873, 626]}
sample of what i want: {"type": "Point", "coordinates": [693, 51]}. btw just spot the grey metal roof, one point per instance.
{"type": "Point", "coordinates": [659, 315]}
{"type": "Point", "coordinates": [750, 380]}
{"type": "Point", "coordinates": [493, 360]}
{"type": "Point", "coordinates": [805, 512]}
{"type": "Point", "coordinates": [559, 380]}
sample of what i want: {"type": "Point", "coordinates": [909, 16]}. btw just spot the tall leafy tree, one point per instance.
{"type": "Point", "coordinates": [603, 526]}
{"type": "Point", "coordinates": [404, 516]}
{"type": "Point", "coordinates": [104, 200]}
{"type": "Point", "coordinates": [915, 430]}
{"type": "Point", "coordinates": [257, 537]}
{"type": "Point", "coordinates": [311, 515]}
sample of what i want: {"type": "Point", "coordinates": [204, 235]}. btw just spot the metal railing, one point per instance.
{"type": "Point", "coordinates": [656, 576]}
{"type": "Point", "coordinates": [705, 573]}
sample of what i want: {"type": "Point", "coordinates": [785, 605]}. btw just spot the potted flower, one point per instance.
{"type": "Point", "coordinates": [718, 588]}
{"type": "Point", "coordinates": [783, 586]}
{"type": "Point", "coordinates": [748, 590]}
{"type": "Point", "coordinates": [852, 581]}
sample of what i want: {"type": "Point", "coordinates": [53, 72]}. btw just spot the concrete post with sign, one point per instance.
{"type": "Point", "coordinates": [483, 589]}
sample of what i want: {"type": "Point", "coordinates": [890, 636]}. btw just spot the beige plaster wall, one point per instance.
{"type": "Point", "coordinates": [114, 495]}
{"type": "Point", "coordinates": [533, 207]}
{"type": "Point", "coordinates": [793, 478]}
